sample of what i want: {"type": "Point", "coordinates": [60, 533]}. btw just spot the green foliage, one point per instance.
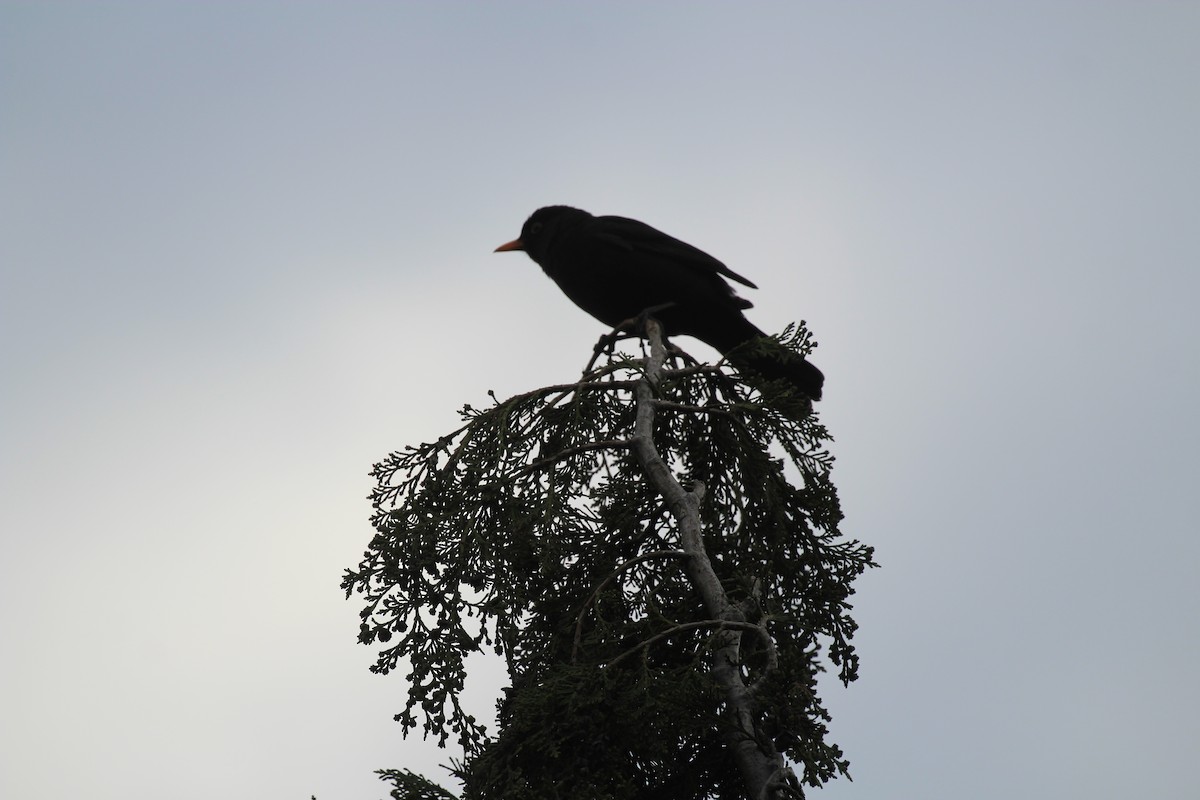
{"type": "Point", "coordinates": [531, 531]}
{"type": "Point", "coordinates": [410, 786]}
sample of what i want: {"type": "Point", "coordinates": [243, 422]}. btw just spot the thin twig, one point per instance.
{"type": "Point", "coordinates": [719, 624]}
{"type": "Point", "coordinates": [670, 405]}
{"type": "Point", "coordinates": [607, 444]}
{"type": "Point", "coordinates": [611, 576]}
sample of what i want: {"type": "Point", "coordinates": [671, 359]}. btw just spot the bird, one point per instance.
{"type": "Point", "coordinates": [618, 269]}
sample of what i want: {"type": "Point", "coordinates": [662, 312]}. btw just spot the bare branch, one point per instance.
{"type": "Point", "coordinates": [760, 769]}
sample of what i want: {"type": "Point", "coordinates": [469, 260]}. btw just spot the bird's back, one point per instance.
{"type": "Point", "coordinates": [615, 268]}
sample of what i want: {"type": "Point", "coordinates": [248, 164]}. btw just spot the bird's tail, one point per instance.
{"type": "Point", "coordinates": [752, 351]}
{"type": "Point", "coordinates": [779, 363]}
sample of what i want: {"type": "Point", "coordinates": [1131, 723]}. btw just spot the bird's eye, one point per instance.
{"type": "Point", "coordinates": [535, 228]}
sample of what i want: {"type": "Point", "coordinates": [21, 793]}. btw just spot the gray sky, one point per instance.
{"type": "Point", "coordinates": [246, 252]}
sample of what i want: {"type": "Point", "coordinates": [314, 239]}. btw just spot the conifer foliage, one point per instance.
{"type": "Point", "coordinates": [654, 550]}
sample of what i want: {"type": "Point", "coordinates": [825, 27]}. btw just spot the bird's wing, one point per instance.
{"type": "Point", "coordinates": [634, 236]}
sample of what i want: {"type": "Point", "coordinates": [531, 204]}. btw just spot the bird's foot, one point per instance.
{"type": "Point", "coordinates": [608, 342]}
{"type": "Point", "coordinates": [606, 345]}
{"type": "Point", "coordinates": [637, 325]}
{"type": "Point", "coordinates": [632, 328]}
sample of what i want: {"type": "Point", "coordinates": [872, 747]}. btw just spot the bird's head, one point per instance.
{"type": "Point", "coordinates": [542, 228]}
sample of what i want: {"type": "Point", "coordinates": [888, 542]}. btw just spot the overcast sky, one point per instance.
{"type": "Point", "coordinates": [246, 252]}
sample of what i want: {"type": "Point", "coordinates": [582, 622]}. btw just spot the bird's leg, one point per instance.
{"type": "Point", "coordinates": [632, 328]}
{"type": "Point", "coordinates": [608, 341]}
{"type": "Point", "coordinates": [638, 324]}
{"type": "Point", "coordinates": [683, 355]}
{"type": "Point", "coordinates": [606, 344]}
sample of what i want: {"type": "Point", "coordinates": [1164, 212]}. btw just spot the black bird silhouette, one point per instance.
{"type": "Point", "coordinates": [616, 268]}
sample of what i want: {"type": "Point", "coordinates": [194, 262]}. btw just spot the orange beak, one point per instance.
{"type": "Point", "coordinates": [515, 244]}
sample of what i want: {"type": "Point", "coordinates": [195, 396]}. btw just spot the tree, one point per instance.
{"type": "Point", "coordinates": [654, 550]}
